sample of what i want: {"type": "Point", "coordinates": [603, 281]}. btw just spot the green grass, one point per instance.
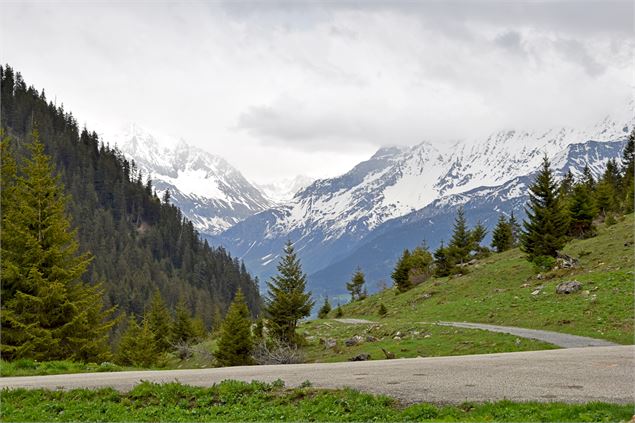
{"type": "Point", "coordinates": [417, 340]}
{"type": "Point", "coordinates": [498, 291]}
{"type": "Point", "coordinates": [28, 367]}
{"type": "Point", "coordinates": [257, 401]}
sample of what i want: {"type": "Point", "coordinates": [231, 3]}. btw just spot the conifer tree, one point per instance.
{"type": "Point", "coordinates": [565, 188]}
{"type": "Point", "coordinates": [443, 264]}
{"type": "Point", "coordinates": [628, 173]}
{"type": "Point", "coordinates": [159, 321]}
{"type": "Point", "coordinates": [356, 285]}
{"type": "Point", "coordinates": [325, 309]}
{"type": "Point", "coordinates": [587, 178]}
{"type": "Point", "coordinates": [581, 212]}
{"type": "Point", "coordinates": [604, 197]}
{"type": "Point", "coordinates": [502, 238]}
{"type": "Point", "coordinates": [287, 300]}
{"type": "Point", "coordinates": [47, 311]}
{"type": "Point", "coordinates": [546, 225]}
{"type": "Point", "coordinates": [401, 273]}
{"type": "Point", "coordinates": [477, 234]}
{"type": "Point", "coordinates": [183, 330]}
{"type": "Point", "coordinates": [461, 242]}
{"type": "Point", "coordinates": [235, 344]}
{"type": "Point", "coordinates": [137, 346]}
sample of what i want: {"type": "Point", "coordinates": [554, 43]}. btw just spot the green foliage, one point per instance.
{"type": "Point", "coordinates": [502, 237]}
{"type": "Point", "coordinates": [546, 225]}
{"type": "Point", "coordinates": [356, 285]}
{"type": "Point", "coordinates": [382, 310]}
{"type": "Point", "coordinates": [581, 212]}
{"type": "Point", "coordinates": [138, 243]}
{"type": "Point", "coordinates": [28, 367]}
{"type": "Point", "coordinates": [443, 265]}
{"type": "Point", "coordinates": [544, 263]}
{"type": "Point", "coordinates": [159, 321]}
{"type": "Point", "coordinates": [47, 311]}
{"type": "Point", "coordinates": [183, 330]}
{"type": "Point", "coordinates": [400, 274]}
{"type": "Point", "coordinates": [257, 401]}
{"type": "Point", "coordinates": [462, 242]}
{"type": "Point", "coordinates": [477, 234]}
{"type": "Point", "coordinates": [287, 300]}
{"type": "Point", "coordinates": [338, 312]}
{"type": "Point", "coordinates": [137, 346]}
{"type": "Point", "coordinates": [235, 344]}
{"type": "Point", "coordinates": [516, 230]}
{"type": "Point", "coordinates": [325, 309]}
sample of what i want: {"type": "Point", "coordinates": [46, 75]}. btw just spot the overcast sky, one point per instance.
{"type": "Point", "coordinates": [286, 88]}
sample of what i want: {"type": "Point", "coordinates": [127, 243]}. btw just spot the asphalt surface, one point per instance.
{"type": "Point", "coordinates": [562, 340]}
{"type": "Point", "coordinates": [574, 375]}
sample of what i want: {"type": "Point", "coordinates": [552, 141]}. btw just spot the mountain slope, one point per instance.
{"type": "Point", "coordinates": [331, 218]}
{"type": "Point", "coordinates": [207, 189]}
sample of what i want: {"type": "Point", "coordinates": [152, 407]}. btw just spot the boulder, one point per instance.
{"type": "Point", "coordinates": [328, 342]}
{"type": "Point", "coordinates": [360, 357]}
{"type": "Point", "coordinates": [568, 287]}
{"type": "Point", "coordinates": [370, 338]}
{"type": "Point", "coordinates": [564, 261]}
{"type": "Point", "coordinates": [355, 340]}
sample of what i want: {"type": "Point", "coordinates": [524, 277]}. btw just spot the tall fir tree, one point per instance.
{"type": "Point", "coordinates": [587, 178]}
{"type": "Point", "coordinates": [443, 265]}
{"type": "Point", "coordinates": [401, 273]}
{"type": "Point", "coordinates": [581, 212]}
{"type": "Point", "coordinates": [235, 344]}
{"type": "Point", "coordinates": [502, 238]}
{"type": "Point", "coordinates": [183, 330]}
{"type": "Point", "coordinates": [477, 234]}
{"type": "Point", "coordinates": [356, 285]}
{"type": "Point", "coordinates": [287, 301]}
{"type": "Point", "coordinates": [160, 321]}
{"type": "Point", "coordinates": [628, 173]}
{"type": "Point", "coordinates": [545, 228]}
{"type": "Point", "coordinates": [461, 243]}
{"type": "Point", "coordinates": [47, 311]}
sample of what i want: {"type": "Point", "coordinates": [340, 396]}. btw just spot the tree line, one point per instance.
{"type": "Point", "coordinates": [126, 243]}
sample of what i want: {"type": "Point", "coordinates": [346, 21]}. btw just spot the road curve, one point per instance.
{"type": "Point", "coordinates": [563, 340]}
{"type": "Point", "coordinates": [574, 375]}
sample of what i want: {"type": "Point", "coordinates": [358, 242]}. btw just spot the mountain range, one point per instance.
{"type": "Point", "coordinates": [398, 198]}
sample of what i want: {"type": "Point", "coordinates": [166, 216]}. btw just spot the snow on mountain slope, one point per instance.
{"type": "Point", "coordinates": [331, 216]}
{"type": "Point", "coordinates": [207, 189]}
{"type": "Point", "coordinates": [285, 189]}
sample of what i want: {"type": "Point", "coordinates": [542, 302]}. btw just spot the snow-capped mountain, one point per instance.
{"type": "Point", "coordinates": [207, 189]}
{"type": "Point", "coordinates": [331, 218]}
{"type": "Point", "coordinates": [283, 190]}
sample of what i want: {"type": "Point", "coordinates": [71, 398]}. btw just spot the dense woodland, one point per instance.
{"type": "Point", "coordinates": [139, 242]}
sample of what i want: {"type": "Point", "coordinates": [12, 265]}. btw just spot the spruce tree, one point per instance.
{"type": "Point", "coordinates": [502, 238]}
{"type": "Point", "coordinates": [137, 346]}
{"type": "Point", "coordinates": [235, 344]}
{"type": "Point", "coordinates": [183, 330]}
{"type": "Point", "coordinates": [159, 321]}
{"type": "Point", "coordinates": [516, 230]}
{"type": "Point", "coordinates": [401, 273]}
{"type": "Point", "coordinates": [545, 228]}
{"type": "Point", "coordinates": [628, 173]}
{"type": "Point", "coordinates": [325, 309]}
{"type": "Point", "coordinates": [461, 243]}
{"type": "Point", "coordinates": [477, 234]}
{"type": "Point", "coordinates": [287, 300]}
{"type": "Point", "coordinates": [356, 285]}
{"type": "Point", "coordinates": [47, 311]}
{"type": "Point", "coordinates": [581, 212]}
{"type": "Point", "coordinates": [443, 264]}
{"type": "Point", "coordinates": [587, 178]}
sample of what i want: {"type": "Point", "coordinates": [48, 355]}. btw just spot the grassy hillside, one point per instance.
{"type": "Point", "coordinates": [498, 290]}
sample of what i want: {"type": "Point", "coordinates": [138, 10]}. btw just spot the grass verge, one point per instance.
{"type": "Point", "coordinates": [257, 401]}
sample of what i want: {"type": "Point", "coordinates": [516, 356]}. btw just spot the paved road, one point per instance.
{"type": "Point", "coordinates": [572, 375]}
{"type": "Point", "coordinates": [562, 340]}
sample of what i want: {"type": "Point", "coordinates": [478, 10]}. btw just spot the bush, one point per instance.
{"type": "Point", "coordinates": [339, 312]}
{"type": "Point", "coordinates": [544, 263]}
{"type": "Point", "coordinates": [382, 310]}
{"type": "Point", "coordinates": [277, 352]}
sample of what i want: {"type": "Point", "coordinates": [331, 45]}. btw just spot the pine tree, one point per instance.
{"type": "Point", "coordinates": [461, 243]}
{"type": "Point", "coordinates": [325, 309]}
{"type": "Point", "coordinates": [604, 197]}
{"type": "Point", "coordinates": [477, 234]}
{"type": "Point", "coordinates": [545, 227]}
{"type": "Point", "coordinates": [382, 310]}
{"type": "Point", "coordinates": [628, 173]}
{"type": "Point", "coordinates": [356, 285]}
{"type": "Point", "coordinates": [443, 264]}
{"type": "Point", "coordinates": [401, 273]}
{"type": "Point", "coordinates": [47, 311]}
{"type": "Point", "coordinates": [287, 300]}
{"type": "Point", "coordinates": [587, 178]}
{"type": "Point", "coordinates": [235, 344]}
{"type": "Point", "coordinates": [159, 321]}
{"type": "Point", "coordinates": [565, 188]}
{"type": "Point", "coordinates": [581, 212]}
{"type": "Point", "coordinates": [502, 238]}
{"type": "Point", "coordinates": [137, 346]}
{"type": "Point", "coordinates": [183, 330]}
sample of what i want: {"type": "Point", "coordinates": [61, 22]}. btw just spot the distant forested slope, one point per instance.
{"type": "Point", "coordinates": [140, 242]}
